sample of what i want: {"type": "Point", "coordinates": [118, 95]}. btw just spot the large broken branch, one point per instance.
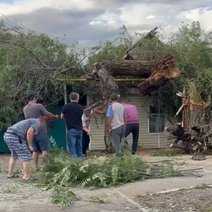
{"type": "Point", "coordinates": [156, 72]}
{"type": "Point", "coordinates": [127, 67]}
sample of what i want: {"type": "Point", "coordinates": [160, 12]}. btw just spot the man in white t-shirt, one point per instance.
{"type": "Point", "coordinates": [115, 122]}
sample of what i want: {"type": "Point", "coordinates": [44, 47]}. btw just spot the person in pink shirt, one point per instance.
{"type": "Point", "coordinates": [131, 119]}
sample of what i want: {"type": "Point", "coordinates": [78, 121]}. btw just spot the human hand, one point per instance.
{"type": "Point", "coordinates": [31, 148]}
{"type": "Point", "coordinates": [109, 130]}
{"type": "Point", "coordinates": [88, 132]}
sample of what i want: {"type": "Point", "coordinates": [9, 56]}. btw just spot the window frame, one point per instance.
{"type": "Point", "coordinates": [159, 114]}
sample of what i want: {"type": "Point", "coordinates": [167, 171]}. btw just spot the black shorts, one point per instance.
{"type": "Point", "coordinates": [41, 142]}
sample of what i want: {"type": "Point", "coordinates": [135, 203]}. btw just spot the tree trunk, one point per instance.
{"type": "Point", "coordinates": [156, 73]}
{"type": "Point", "coordinates": [130, 67]}
{"type": "Point", "coordinates": [136, 68]}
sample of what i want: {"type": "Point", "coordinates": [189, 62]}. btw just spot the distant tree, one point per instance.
{"type": "Point", "coordinates": [30, 61]}
{"type": "Point", "coordinates": [192, 48]}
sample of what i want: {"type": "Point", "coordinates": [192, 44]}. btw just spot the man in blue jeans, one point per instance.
{"type": "Point", "coordinates": [72, 113]}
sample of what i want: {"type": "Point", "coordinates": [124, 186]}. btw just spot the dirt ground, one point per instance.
{"type": "Point", "coordinates": [191, 192]}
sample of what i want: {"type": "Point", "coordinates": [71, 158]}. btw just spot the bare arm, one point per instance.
{"type": "Point", "coordinates": [51, 116]}
{"type": "Point", "coordinates": [109, 124]}
{"type": "Point", "coordinates": [47, 113]}
{"type": "Point", "coordinates": [98, 111]}
{"type": "Point", "coordinates": [62, 116]}
{"type": "Point", "coordinates": [30, 135]}
{"type": "Point", "coordinates": [87, 130]}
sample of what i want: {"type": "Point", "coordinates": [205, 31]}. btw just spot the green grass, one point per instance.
{"type": "Point", "coordinates": [11, 188]}
{"type": "Point", "coordinates": [166, 152]}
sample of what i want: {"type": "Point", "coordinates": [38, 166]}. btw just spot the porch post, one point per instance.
{"type": "Point", "coordinates": [65, 102]}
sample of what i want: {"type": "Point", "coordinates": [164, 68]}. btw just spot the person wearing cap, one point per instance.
{"type": "Point", "coordinates": [115, 122]}
{"type": "Point", "coordinates": [19, 138]}
{"type": "Point", "coordinates": [41, 142]}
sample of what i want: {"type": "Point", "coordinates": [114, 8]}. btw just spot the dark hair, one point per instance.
{"type": "Point", "coordinates": [114, 97]}
{"type": "Point", "coordinates": [74, 96]}
{"type": "Point", "coordinates": [31, 95]}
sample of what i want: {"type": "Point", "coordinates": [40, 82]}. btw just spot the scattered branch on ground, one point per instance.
{"type": "Point", "coordinates": [60, 171]}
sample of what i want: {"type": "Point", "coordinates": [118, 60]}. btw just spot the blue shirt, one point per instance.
{"type": "Point", "coordinates": [21, 127]}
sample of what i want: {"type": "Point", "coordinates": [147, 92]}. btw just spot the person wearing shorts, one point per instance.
{"type": "Point", "coordinates": [19, 139]}
{"type": "Point", "coordinates": [41, 142]}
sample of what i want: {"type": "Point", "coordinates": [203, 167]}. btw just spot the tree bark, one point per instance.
{"type": "Point", "coordinates": [136, 68]}
{"type": "Point", "coordinates": [130, 67]}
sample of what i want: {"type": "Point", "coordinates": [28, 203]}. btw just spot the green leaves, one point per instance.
{"type": "Point", "coordinates": [61, 172]}
{"type": "Point", "coordinates": [62, 196]}
{"type": "Point", "coordinates": [30, 61]}
{"type": "Point", "coordinates": [98, 172]}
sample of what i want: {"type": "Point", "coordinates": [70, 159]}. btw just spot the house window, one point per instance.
{"type": "Point", "coordinates": [156, 119]}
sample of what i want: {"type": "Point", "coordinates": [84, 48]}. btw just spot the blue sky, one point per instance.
{"type": "Point", "coordinates": [7, 1]}
{"type": "Point", "coordinates": [91, 21]}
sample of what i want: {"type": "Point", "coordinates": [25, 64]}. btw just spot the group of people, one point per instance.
{"type": "Point", "coordinates": [29, 138]}
{"type": "Point", "coordinates": [122, 119]}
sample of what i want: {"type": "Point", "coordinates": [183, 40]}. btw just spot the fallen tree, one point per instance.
{"type": "Point", "coordinates": [194, 134]}
{"type": "Point", "coordinates": [155, 73]}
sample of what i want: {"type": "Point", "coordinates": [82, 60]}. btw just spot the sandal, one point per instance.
{"type": "Point", "coordinates": [28, 179]}
{"type": "Point", "coordinates": [37, 170]}
{"type": "Point", "coordinates": [11, 176]}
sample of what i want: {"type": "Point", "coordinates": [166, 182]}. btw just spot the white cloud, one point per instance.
{"type": "Point", "coordinates": [151, 17]}
{"type": "Point", "coordinates": [27, 6]}
{"type": "Point", "coordinates": [95, 20]}
{"type": "Point", "coordinates": [203, 15]}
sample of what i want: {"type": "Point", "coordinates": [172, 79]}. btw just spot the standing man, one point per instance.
{"type": "Point", "coordinates": [72, 113]}
{"type": "Point", "coordinates": [41, 142]}
{"type": "Point", "coordinates": [19, 139]}
{"type": "Point", "coordinates": [115, 122]}
{"type": "Point", "coordinates": [132, 124]}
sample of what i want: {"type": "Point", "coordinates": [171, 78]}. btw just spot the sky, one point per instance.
{"type": "Point", "coordinates": [90, 21]}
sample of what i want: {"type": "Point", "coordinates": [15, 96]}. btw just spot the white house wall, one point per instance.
{"type": "Point", "coordinates": [146, 139]}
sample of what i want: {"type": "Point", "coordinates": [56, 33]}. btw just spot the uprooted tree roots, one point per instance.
{"type": "Point", "coordinates": [195, 136]}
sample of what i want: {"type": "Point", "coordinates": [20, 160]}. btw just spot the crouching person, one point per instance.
{"type": "Point", "coordinates": [19, 139]}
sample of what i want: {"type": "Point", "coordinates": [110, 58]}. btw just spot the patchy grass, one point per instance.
{"type": "Point", "coordinates": [203, 186]}
{"type": "Point", "coordinates": [11, 188]}
{"type": "Point", "coordinates": [166, 152]}
{"type": "Point", "coordinates": [95, 153]}
{"type": "Point", "coordinates": [207, 209]}
{"type": "Point", "coordinates": [62, 196]}
{"type": "Point", "coordinates": [96, 200]}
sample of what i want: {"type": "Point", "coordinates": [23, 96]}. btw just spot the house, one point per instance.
{"type": "Point", "coordinates": [152, 124]}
